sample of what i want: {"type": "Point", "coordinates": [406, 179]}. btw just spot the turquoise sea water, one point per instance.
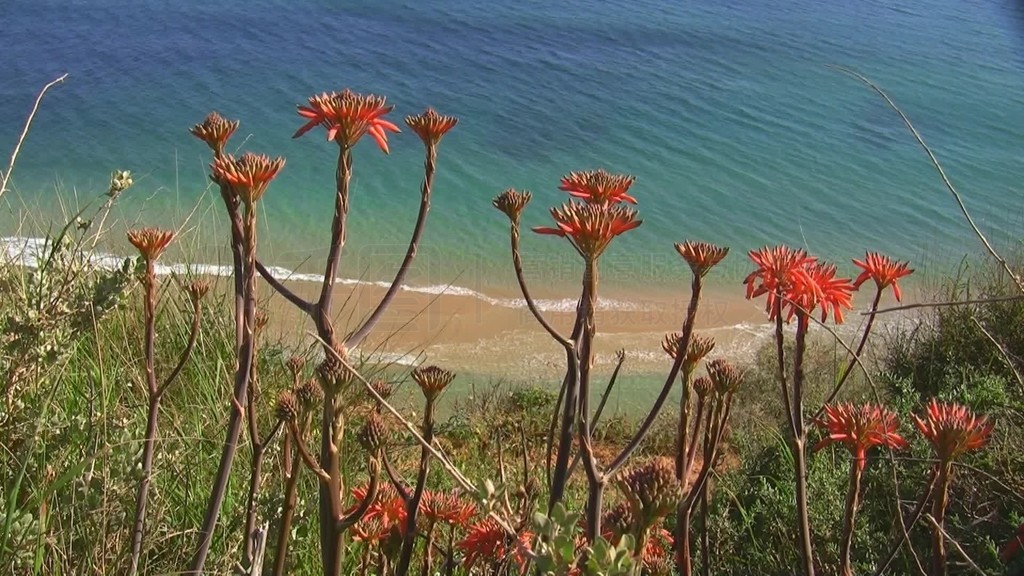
{"type": "Point", "coordinates": [725, 111]}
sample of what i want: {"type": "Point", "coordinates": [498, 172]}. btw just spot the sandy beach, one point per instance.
{"type": "Point", "coordinates": [497, 336]}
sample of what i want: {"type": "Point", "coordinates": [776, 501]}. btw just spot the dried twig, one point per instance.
{"type": "Point", "coordinates": [1002, 352]}
{"type": "Point", "coordinates": [450, 468]}
{"type": "Point", "coordinates": [955, 544]}
{"type": "Point", "coordinates": [942, 173]}
{"type": "Point", "coordinates": [24, 132]}
{"type": "Point", "coordinates": [944, 304]}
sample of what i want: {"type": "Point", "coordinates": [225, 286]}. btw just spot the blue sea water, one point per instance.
{"type": "Point", "coordinates": [725, 110]}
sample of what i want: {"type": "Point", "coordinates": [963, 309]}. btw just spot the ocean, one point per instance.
{"type": "Point", "coordinates": [726, 111]}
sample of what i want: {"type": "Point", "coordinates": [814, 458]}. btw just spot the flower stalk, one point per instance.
{"type": "Point", "coordinates": [151, 243]}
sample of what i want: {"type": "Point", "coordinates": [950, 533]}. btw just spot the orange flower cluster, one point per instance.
{"type": "Point", "coordinates": [598, 187]}
{"type": "Point", "coordinates": [590, 227]}
{"type": "Point", "coordinates": [884, 271]}
{"type": "Point", "coordinates": [215, 130]}
{"type": "Point", "coordinates": [952, 429]}
{"type": "Point", "coordinates": [860, 428]}
{"type": "Point", "coordinates": [446, 508]}
{"type": "Point", "coordinates": [794, 281]}
{"type": "Point", "coordinates": [431, 126]}
{"type": "Point", "coordinates": [701, 256]}
{"type": "Point", "coordinates": [150, 242]}
{"type": "Point", "coordinates": [387, 514]}
{"type": "Point", "coordinates": [347, 116]}
{"type": "Point", "coordinates": [247, 176]}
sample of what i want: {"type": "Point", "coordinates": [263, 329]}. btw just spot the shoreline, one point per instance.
{"type": "Point", "coordinates": [490, 333]}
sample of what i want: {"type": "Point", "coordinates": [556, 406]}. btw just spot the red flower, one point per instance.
{"type": "Point", "coordinates": [860, 428]}
{"type": "Point", "coordinates": [388, 509]}
{"type": "Point", "coordinates": [774, 274]}
{"type": "Point", "coordinates": [349, 116]}
{"type": "Point", "coordinates": [590, 227]}
{"type": "Point", "coordinates": [150, 242]}
{"type": "Point", "coordinates": [952, 429]}
{"type": "Point", "coordinates": [883, 270]}
{"type": "Point", "coordinates": [431, 126]}
{"type": "Point", "coordinates": [598, 186]}
{"type": "Point", "coordinates": [487, 541]}
{"type": "Point", "coordinates": [446, 507]}
{"type": "Point", "coordinates": [248, 176]}
{"type": "Point", "coordinates": [815, 286]}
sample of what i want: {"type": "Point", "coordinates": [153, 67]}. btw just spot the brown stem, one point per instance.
{"type": "Point", "coordinates": [307, 458]}
{"type": "Point", "coordinates": [684, 344]}
{"type": "Point", "coordinates": [429, 168]}
{"type": "Point", "coordinates": [257, 447]}
{"type": "Point", "coordinates": [799, 446]}
{"type": "Point", "coordinates": [142, 497]}
{"type": "Point", "coordinates": [854, 360]}
{"type": "Point", "coordinates": [691, 451]}
{"type": "Point", "coordinates": [595, 484]}
{"type": "Point", "coordinates": [560, 476]}
{"type": "Point", "coordinates": [413, 505]}
{"type": "Point", "coordinates": [343, 177]}
{"type": "Point", "coordinates": [705, 555]}
{"type": "Point", "coordinates": [149, 447]}
{"type": "Point", "coordinates": [245, 318]}
{"type": "Point", "coordinates": [517, 263]}
{"type": "Point", "coordinates": [684, 562]}
{"type": "Point", "coordinates": [780, 357]}
{"type": "Point", "coordinates": [428, 553]}
{"type": "Point", "coordinates": [291, 498]}
{"type": "Point", "coordinates": [684, 512]}
{"type": "Point", "coordinates": [193, 335]}
{"type": "Point", "coordinates": [330, 493]}
{"type": "Point", "coordinates": [620, 358]}
{"type": "Point", "coordinates": [398, 483]}
{"type": "Point", "coordinates": [682, 430]}
{"type": "Point", "coordinates": [255, 471]}
{"type": "Point", "coordinates": [549, 444]}
{"type": "Point", "coordinates": [349, 520]}
{"type": "Point", "coordinates": [283, 290]}
{"type": "Point", "coordinates": [939, 505]}
{"type": "Point", "coordinates": [849, 518]}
